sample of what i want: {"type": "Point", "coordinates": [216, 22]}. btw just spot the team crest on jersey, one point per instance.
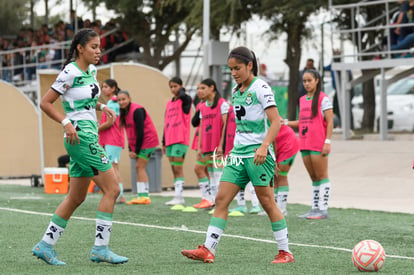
{"type": "Point", "coordinates": [104, 159]}
{"type": "Point", "coordinates": [249, 99]}
{"type": "Point", "coordinates": [66, 87]}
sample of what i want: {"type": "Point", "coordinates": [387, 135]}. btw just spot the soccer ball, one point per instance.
{"type": "Point", "coordinates": [368, 255]}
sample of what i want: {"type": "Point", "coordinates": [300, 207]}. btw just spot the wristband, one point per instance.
{"type": "Point", "coordinates": [102, 106]}
{"type": "Point", "coordinates": [65, 121]}
{"type": "Point", "coordinates": [327, 141]}
{"type": "Point", "coordinates": [285, 121]}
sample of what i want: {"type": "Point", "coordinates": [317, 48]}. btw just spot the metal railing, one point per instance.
{"type": "Point", "coordinates": [18, 66]}
{"type": "Point", "coordinates": [382, 23]}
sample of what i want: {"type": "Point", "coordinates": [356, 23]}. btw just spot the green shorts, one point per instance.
{"type": "Point", "coordinates": [202, 161]}
{"type": "Point", "coordinates": [146, 153]}
{"type": "Point", "coordinates": [242, 170]}
{"type": "Point", "coordinates": [176, 150]}
{"type": "Point", "coordinates": [289, 161]}
{"type": "Point", "coordinates": [114, 153]}
{"type": "Point", "coordinates": [88, 157]}
{"type": "Point", "coordinates": [309, 152]}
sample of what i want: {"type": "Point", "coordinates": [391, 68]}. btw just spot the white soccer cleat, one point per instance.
{"type": "Point", "coordinates": [175, 201]}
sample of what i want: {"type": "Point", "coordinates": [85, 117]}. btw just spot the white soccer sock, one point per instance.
{"type": "Point", "coordinates": [315, 196]}
{"type": "Point", "coordinates": [213, 236]}
{"type": "Point", "coordinates": [213, 184]}
{"type": "Point", "coordinates": [325, 193]}
{"type": "Point", "coordinates": [178, 187]}
{"type": "Point", "coordinates": [241, 201]}
{"type": "Point", "coordinates": [52, 233]}
{"type": "Point", "coordinates": [282, 199]}
{"type": "Point", "coordinates": [204, 188]}
{"type": "Point", "coordinates": [142, 189]}
{"type": "Point", "coordinates": [103, 232]}
{"type": "Point", "coordinates": [253, 196]}
{"type": "Point", "coordinates": [282, 240]}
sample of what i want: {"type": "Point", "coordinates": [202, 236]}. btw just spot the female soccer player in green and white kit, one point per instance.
{"type": "Point", "coordinates": [79, 91]}
{"type": "Point", "coordinates": [251, 159]}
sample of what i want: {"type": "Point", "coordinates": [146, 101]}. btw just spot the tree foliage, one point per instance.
{"type": "Point", "coordinates": [156, 24]}
{"type": "Point", "coordinates": [290, 17]}
{"type": "Point", "coordinates": [12, 15]}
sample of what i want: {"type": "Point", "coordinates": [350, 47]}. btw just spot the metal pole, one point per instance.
{"type": "Point", "coordinates": [206, 37]}
{"type": "Point", "coordinates": [322, 53]}
{"type": "Point", "coordinates": [383, 107]}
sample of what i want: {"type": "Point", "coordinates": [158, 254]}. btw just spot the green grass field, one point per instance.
{"type": "Point", "coordinates": [152, 236]}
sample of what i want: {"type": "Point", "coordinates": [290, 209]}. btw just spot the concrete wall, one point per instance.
{"type": "Point", "coordinates": [19, 138]}
{"type": "Point", "coordinates": [148, 87]}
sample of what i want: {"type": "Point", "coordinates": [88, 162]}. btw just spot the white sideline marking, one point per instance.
{"type": "Point", "coordinates": [198, 232]}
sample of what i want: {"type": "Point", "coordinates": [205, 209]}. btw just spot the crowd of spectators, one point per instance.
{"type": "Point", "coordinates": [39, 52]}
{"type": "Point", "coordinates": [402, 37]}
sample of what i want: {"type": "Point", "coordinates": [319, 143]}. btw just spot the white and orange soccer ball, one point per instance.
{"type": "Point", "coordinates": [368, 255]}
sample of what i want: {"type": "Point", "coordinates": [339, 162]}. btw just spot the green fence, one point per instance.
{"type": "Point", "coordinates": [281, 97]}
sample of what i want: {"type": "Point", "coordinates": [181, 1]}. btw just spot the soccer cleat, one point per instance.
{"type": "Point", "coordinates": [204, 204]}
{"type": "Point", "coordinates": [255, 210]}
{"type": "Point", "coordinates": [47, 253]}
{"type": "Point", "coordinates": [262, 213]}
{"type": "Point", "coordinates": [178, 207]}
{"type": "Point", "coordinates": [240, 208]}
{"type": "Point", "coordinates": [310, 213]}
{"type": "Point", "coordinates": [120, 200]}
{"type": "Point", "coordinates": [319, 215]}
{"type": "Point", "coordinates": [104, 254]}
{"type": "Point", "coordinates": [189, 209]}
{"type": "Point", "coordinates": [199, 254]}
{"type": "Point", "coordinates": [283, 257]}
{"type": "Point", "coordinates": [140, 200]}
{"type": "Point", "coordinates": [175, 201]}
{"type": "Point", "coordinates": [235, 214]}
{"type": "Point", "coordinates": [211, 212]}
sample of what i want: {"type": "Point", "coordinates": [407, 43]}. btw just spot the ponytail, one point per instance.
{"type": "Point", "coordinates": [82, 37]}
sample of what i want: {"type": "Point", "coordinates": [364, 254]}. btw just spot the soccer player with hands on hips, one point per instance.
{"type": "Point", "coordinates": [315, 131]}
{"type": "Point", "coordinates": [78, 88]}
{"type": "Point", "coordinates": [142, 142]}
{"type": "Point", "coordinates": [251, 159]}
{"type": "Point", "coordinates": [176, 136]}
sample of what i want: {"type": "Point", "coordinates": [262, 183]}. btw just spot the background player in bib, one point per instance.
{"type": "Point", "coordinates": [79, 91]}
{"type": "Point", "coordinates": [251, 158]}
{"type": "Point", "coordinates": [315, 130]}
{"type": "Point", "coordinates": [142, 141]}
{"type": "Point", "coordinates": [111, 137]}
{"type": "Point", "coordinates": [176, 137]}
{"type": "Point", "coordinates": [287, 146]}
{"type": "Point", "coordinates": [213, 116]}
{"type": "Point", "coordinates": [200, 168]}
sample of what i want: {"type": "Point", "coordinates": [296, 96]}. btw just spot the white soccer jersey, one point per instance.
{"type": "Point", "coordinates": [251, 119]}
{"type": "Point", "coordinates": [79, 92]}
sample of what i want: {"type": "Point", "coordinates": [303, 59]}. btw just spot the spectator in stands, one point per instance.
{"type": "Point", "coordinates": [265, 74]}
{"type": "Point", "coordinates": [18, 61]}
{"type": "Point", "coordinates": [31, 58]}
{"type": "Point", "coordinates": [395, 33]}
{"type": "Point", "coordinates": [87, 23]}
{"type": "Point", "coordinates": [406, 39]}
{"type": "Point", "coordinates": [76, 22]}
{"type": "Point", "coordinates": [6, 59]}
